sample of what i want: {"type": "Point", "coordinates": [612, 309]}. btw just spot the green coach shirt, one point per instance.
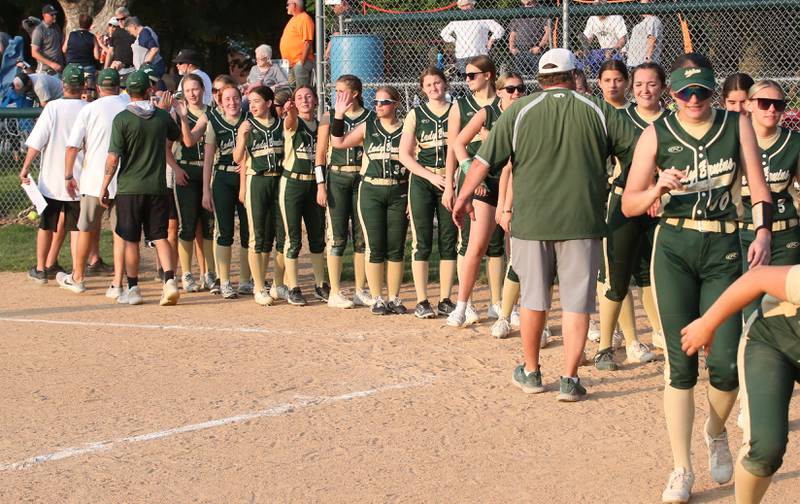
{"type": "Point", "coordinates": [139, 137]}
{"type": "Point", "coordinates": [558, 141]}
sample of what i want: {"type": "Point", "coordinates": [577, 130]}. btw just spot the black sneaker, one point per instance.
{"type": "Point", "coordinates": [54, 270]}
{"type": "Point", "coordinates": [38, 276]}
{"type": "Point", "coordinates": [445, 306]}
{"type": "Point", "coordinates": [322, 292]}
{"type": "Point", "coordinates": [296, 297]}
{"type": "Point", "coordinates": [396, 306]}
{"type": "Point", "coordinates": [424, 310]}
{"type": "Point", "coordinates": [379, 307]}
{"type": "Point", "coordinates": [215, 287]}
{"type": "Point", "coordinates": [99, 268]}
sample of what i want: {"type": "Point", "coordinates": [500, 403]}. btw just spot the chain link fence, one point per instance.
{"type": "Point", "coordinates": [15, 125]}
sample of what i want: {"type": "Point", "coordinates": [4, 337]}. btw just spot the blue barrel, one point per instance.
{"type": "Point", "coordinates": [359, 55]}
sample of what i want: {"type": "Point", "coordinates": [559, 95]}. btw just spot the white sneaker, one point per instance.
{"type": "Point", "coordinates": [456, 318]}
{"type": "Point", "coordinates": [514, 319]}
{"type": "Point", "coordinates": [594, 331]}
{"type": "Point", "coordinates": [501, 328]}
{"type": "Point", "coordinates": [246, 288]}
{"type": "Point", "coordinates": [471, 315]}
{"type": "Point", "coordinates": [188, 282]}
{"type": "Point", "coordinates": [336, 300]}
{"type": "Point", "coordinates": [263, 298]}
{"type": "Point", "coordinates": [639, 352]}
{"type": "Point", "coordinates": [363, 298]}
{"type": "Point", "coordinates": [65, 281]}
{"type": "Point", "coordinates": [659, 341]}
{"type": "Point", "coordinates": [208, 280]}
{"type": "Point", "coordinates": [494, 311]}
{"type": "Point", "coordinates": [170, 293]}
{"type": "Point", "coordinates": [720, 461]}
{"type": "Point", "coordinates": [113, 292]}
{"type": "Point", "coordinates": [133, 296]}
{"type": "Point", "coordinates": [279, 292]}
{"type": "Point", "coordinates": [227, 291]}
{"type": "Point", "coordinates": [679, 487]}
{"type": "Point", "coordinates": [545, 337]}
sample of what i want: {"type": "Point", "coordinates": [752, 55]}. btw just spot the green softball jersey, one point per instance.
{"type": "Point", "coordinates": [265, 145]}
{"type": "Point", "coordinates": [468, 106]}
{"type": "Point", "coordinates": [781, 164]}
{"type": "Point", "coordinates": [559, 141]}
{"type": "Point", "coordinates": [640, 124]}
{"type": "Point", "coordinates": [711, 165]}
{"type": "Point", "coordinates": [382, 152]}
{"type": "Point", "coordinates": [196, 152]}
{"type": "Point", "coordinates": [784, 330]}
{"type": "Point", "coordinates": [299, 147]}
{"type": "Point", "coordinates": [222, 133]}
{"type": "Point", "coordinates": [352, 156]}
{"type": "Point", "coordinates": [430, 131]}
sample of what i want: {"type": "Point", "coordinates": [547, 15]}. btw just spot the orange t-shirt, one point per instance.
{"type": "Point", "coordinates": [298, 30]}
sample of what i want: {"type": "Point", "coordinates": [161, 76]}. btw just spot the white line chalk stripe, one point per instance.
{"type": "Point", "coordinates": [277, 410]}
{"type": "Point", "coordinates": [142, 326]}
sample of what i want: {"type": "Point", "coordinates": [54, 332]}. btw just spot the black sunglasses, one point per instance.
{"type": "Point", "coordinates": [520, 88]}
{"type": "Point", "coordinates": [700, 92]}
{"type": "Point", "coordinates": [122, 18]}
{"type": "Point", "coordinates": [766, 103]}
{"type": "Point", "coordinates": [472, 75]}
{"type": "Point", "coordinates": [378, 103]}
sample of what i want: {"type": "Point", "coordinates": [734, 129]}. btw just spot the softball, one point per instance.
{"type": "Point", "coordinates": [32, 215]}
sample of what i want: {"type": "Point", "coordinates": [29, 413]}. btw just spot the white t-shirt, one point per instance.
{"type": "Point", "coordinates": [92, 133]}
{"type": "Point", "coordinates": [471, 36]}
{"type": "Point", "coordinates": [607, 30]}
{"type": "Point", "coordinates": [206, 85]}
{"type": "Point", "coordinates": [49, 136]}
{"type": "Point", "coordinates": [650, 26]}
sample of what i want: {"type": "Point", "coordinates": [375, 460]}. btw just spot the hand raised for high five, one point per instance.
{"type": "Point", "coordinates": [343, 103]}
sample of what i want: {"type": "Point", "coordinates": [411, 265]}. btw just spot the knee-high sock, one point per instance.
{"type": "Point", "coordinates": [609, 314]}
{"type": "Point", "coordinates": [291, 272]}
{"type": "Point", "coordinates": [394, 278]}
{"type": "Point", "coordinates": [375, 278]}
{"type": "Point", "coordinates": [650, 308]}
{"type": "Point", "coordinates": [318, 265]}
{"type": "Point", "coordinates": [627, 319]}
{"type": "Point", "coordinates": [208, 251]}
{"type": "Point", "coordinates": [279, 270]}
{"type": "Point", "coordinates": [359, 271]}
{"type": "Point", "coordinates": [679, 413]}
{"type": "Point", "coordinates": [419, 270]}
{"type": "Point", "coordinates": [447, 274]}
{"type": "Point", "coordinates": [222, 256]}
{"type": "Point", "coordinates": [496, 271]}
{"type": "Point", "coordinates": [185, 250]}
{"type": "Point", "coordinates": [256, 262]}
{"type": "Point", "coordinates": [244, 266]}
{"type": "Point", "coordinates": [510, 295]}
{"type": "Point", "coordinates": [750, 489]}
{"type": "Point", "coordinates": [720, 404]}
{"type": "Point", "coordinates": [264, 264]}
{"type": "Point", "coordinates": [335, 272]}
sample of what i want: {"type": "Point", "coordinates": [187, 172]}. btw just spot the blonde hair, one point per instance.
{"type": "Point", "coordinates": [501, 80]}
{"type": "Point", "coordinates": [765, 84]}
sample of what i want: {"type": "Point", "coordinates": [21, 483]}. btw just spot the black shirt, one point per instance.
{"type": "Point", "coordinates": [121, 42]}
{"type": "Point", "coordinates": [80, 48]}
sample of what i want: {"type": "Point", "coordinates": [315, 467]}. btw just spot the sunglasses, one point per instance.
{"type": "Point", "coordinates": [216, 90]}
{"type": "Point", "coordinates": [380, 103]}
{"type": "Point", "coordinates": [520, 89]}
{"type": "Point", "coordinates": [766, 103]}
{"type": "Point", "coordinates": [473, 75]}
{"type": "Point", "coordinates": [701, 93]}
{"type": "Point", "coordinates": [122, 18]}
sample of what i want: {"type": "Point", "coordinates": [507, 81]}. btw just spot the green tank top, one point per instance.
{"type": "Point", "coordinates": [431, 134]}
{"type": "Point", "coordinates": [225, 133]}
{"type": "Point", "coordinates": [265, 146]}
{"type": "Point", "coordinates": [640, 124]}
{"type": "Point", "coordinates": [300, 147]}
{"type": "Point", "coordinates": [711, 165]}
{"type": "Point", "coordinates": [468, 106]}
{"type": "Point", "coordinates": [197, 152]}
{"type": "Point", "coordinates": [780, 163]}
{"type": "Point", "coordinates": [382, 152]}
{"type": "Point", "coordinates": [348, 157]}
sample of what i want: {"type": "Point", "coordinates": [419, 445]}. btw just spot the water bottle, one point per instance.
{"type": "Point", "coordinates": [440, 60]}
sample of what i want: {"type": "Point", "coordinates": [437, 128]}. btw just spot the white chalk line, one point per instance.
{"type": "Point", "coordinates": [277, 410]}
{"type": "Point", "coordinates": [160, 327]}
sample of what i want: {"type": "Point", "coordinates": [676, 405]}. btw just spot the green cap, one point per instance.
{"type": "Point", "coordinates": [137, 82]}
{"type": "Point", "coordinates": [108, 77]}
{"type": "Point", "coordinates": [692, 76]}
{"type": "Point", "coordinates": [73, 75]}
{"type": "Point", "coordinates": [150, 72]}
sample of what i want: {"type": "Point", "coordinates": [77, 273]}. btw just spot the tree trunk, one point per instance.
{"type": "Point", "coordinates": [101, 10]}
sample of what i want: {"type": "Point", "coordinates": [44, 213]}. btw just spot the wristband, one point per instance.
{"type": "Point", "coordinates": [762, 215]}
{"type": "Point", "coordinates": [69, 177]}
{"type": "Point", "coordinates": [464, 165]}
{"type": "Point", "coordinates": [319, 173]}
{"type": "Point", "coordinates": [337, 128]}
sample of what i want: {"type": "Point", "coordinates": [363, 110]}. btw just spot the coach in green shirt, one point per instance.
{"type": "Point", "coordinates": [558, 141]}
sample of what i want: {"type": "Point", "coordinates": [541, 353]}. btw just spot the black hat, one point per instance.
{"type": "Point", "coordinates": [187, 56]}
{"type": "Point", "coordinates": [49, 9]}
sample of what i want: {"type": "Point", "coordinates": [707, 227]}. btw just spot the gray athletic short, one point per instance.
{"type": "Point", "coordinates": [576, 262]}
{"type": "Point", "coordinates": [91, 217]}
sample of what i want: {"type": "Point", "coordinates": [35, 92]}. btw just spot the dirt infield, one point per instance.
{"type": "Point", "coordinates": [214, 401]}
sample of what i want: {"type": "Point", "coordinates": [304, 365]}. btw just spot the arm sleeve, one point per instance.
{"type": "Point", "coordinates": [410, 122]}
{"type": "Point", "coordinates": [146, 38]}
{"type": "Point", "coordinates": [308, 29]}
{"type": "Point", "coordinates": [655, 28]}
{"type": "Point", "coordinates": [211, 137]}
{"type": "Point", "coordinates": [496, 29]}
{"type": "Point", "coordinates": [619, 27]}
{"type": "Point", "coordinates": [37, 39]}
{"type": "Point", "coordinates": [496, 150]}
{"type": "Point", "coordinates": [41, 131]}
{"type": "Point", "coordinates": [447, 33]}
{"type": "Point", "coordinates": [78, 131]}
{"type": "Point", "coordinates": [117, 143]}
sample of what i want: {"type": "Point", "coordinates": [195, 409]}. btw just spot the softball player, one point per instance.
{"type": "Point", "coordinates": [302, 187]}
{"type": "Point", "coordinates": [697, 154]}
{"type": "Point", "coordinates": [382, 194]}
{"type": "Point", "coordinates": [342, 191]}
{"type": "Point", "coordinates": [259, 147]}
{"type": "Point", "coordinates": [768, 360]}
{"type": "Point", "coordinates": [734, 92]}
{"type": "Point", "coordinates": [423, 151]}
{"type": "Point", "coordinates": [481, 74]}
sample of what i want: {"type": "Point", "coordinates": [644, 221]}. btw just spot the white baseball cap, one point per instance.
{"type": "Point", "coordinates": [557, 60]}
{"type": "Point", "coordinates": [113, 21]}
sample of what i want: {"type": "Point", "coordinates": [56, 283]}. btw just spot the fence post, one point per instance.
{"type": "Point", "coordinates": [565, 23]}
{"type": "Point", "coordinates": [320, 50]}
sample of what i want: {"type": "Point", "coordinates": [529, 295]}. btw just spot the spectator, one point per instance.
{"type": "Point", "coordinates": [41, 87]}
{"type": "Point", "coordinates": [610, 32]}
{"type": "Point", "coordinates": [646, 41]}
{"type": "Point", "coordinates": [104, 40]}
{"type": "Point", "coordinates": [471, 37]}
{"type": "Point", "coordinates": [46, 41]}
{"type": "Point", "coordinates": [121, 47]}
{"type": "Point", "coordinates": [188, 62]}
{"type": "Point", "coordinates": [145, 46]}
{"type": "Point", "coordinates": [527, 39]}
{"type": "Point", "coordinates": [297, 44]}
{"type": "Point", "coordinates": [81, 46]}
{"type": "Point", "coordinates": [4, 37]}
{"type": "Point", "coordinates": [265, 73]}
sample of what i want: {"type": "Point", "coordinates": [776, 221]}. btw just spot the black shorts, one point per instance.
{"type": "Point", "coordinates": [493, 185]}
{"type": "Point", "coordinates": [137, 212]}
{"type": "Point", "coordinates": [48, 221]}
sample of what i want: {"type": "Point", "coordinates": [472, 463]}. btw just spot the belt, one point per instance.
{"type": "Point", "coordinates": [299, 176]}
{"type": "Point", "coordinates": [266, 174]}
{"type": "Point", "coordinates": [618, 190]}
{"type": "Point", "coordinates": [704, 226]}
{"type": "Point", "coordinates": [192, 163]}
{"type": "Point", "coordinates": [227, 168]}
{"type": "Point", "coordinates": [437, 171]}
{"type": "Point", "coordinates": [383, 181]}
{"type": "Point", "coordinates": [345, 169]}
{"type": "Point", "coordinates": [781, 225]}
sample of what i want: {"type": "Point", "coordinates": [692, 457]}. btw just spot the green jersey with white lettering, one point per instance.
{"type": "Point", "coordinates": [300, 146]}
{"type": "Point", "coordinates": [640, 124]}
{"type": "Point", "coordinates": [382, 152]}
{"type": "Point", "coordinates": [468, 106]}
{"type": "Point", "coordinates": [265, 145]}
{"type": "Point", "coordinates": [781, 165]}
{"type": "Point", "coordinates": [431, 133]}
{"type": "Point", "coordinates": [351, 156]}
{"type": "Point", "coordinates": [224, 134]}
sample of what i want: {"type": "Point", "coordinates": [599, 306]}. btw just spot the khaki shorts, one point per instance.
{"type": "Point", "coordinates": [91, 216]}
{"type": "Point", "coordinates": [576, 262]}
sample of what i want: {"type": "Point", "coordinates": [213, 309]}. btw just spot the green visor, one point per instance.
{"type": "Point", "coordinates": [687, 77]}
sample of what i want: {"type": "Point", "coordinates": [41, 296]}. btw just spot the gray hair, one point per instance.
{"type": "Point", "coordinates": [122, 11]}
{"type": "Point", "coordinates": [264, 50]}
{"type": "Point", "coordinates": [300, 3]}
{"type": "Point", "coordinates": [133, 21]}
